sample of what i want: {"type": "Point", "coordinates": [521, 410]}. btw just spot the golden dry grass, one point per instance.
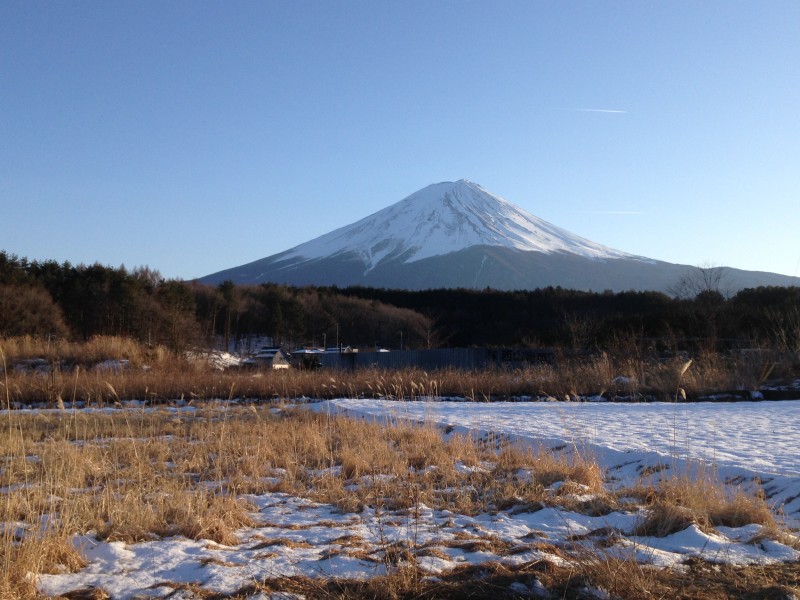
{"type": "Point", "coordinates": [679, 501]}
{"type": "Point", "coordinates": [74, 372]}
{"type": "Point", "coordinates": [135, 475]}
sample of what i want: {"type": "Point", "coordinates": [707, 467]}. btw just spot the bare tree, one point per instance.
{"type": "Point", "coordinates": [785, 328]}
{"type": "Point", "coordinates": [703, 278]}
{"type": "Point", "coordinates": [582, 330]}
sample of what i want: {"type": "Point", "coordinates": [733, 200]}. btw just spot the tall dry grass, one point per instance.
{"type": "Point", "coordinates": [139, 475]}
{"type": "Point", "coordinates": [679, 501]}
{"type": "Point", "coordinates": [77, 373]}
{"type": "Point", "coordinates": [92, 351]}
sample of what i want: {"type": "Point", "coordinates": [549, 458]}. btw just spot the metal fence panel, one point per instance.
{"type": "Point", "coordinates": [455, 358]}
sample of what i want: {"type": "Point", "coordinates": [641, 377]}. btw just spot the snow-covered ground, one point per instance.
{"type": "Point", "coordinates": [294, 536]}
{"type": "Point", "coordinates": [762, 436]}
{"type": "Point", "coordinates": [741, 440]}
{"type": "Point", "coordinates": [305, 538]}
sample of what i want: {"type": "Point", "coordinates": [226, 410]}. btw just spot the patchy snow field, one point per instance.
{"type": "Point", "coordinates": [294, 536]}
{"type": "Point", "coordinates": [742, 440]}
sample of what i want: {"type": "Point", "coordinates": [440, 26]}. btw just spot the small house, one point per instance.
{"type": "Point", "coordinates": [268, 357]}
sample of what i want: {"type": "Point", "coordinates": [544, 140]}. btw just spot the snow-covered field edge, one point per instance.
{"type": "Point", "coordinates": [748, 444]}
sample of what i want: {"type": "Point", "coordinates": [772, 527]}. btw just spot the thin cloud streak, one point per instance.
{"type": "Point", "coordinates": [598, 110]}
{"type": "Point", "coordinates": [616, 212]}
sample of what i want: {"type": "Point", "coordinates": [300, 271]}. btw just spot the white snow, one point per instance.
{"type": "Point", "coordinates": [299, 537]}
{"type": "Point", "coordinates": [216, 359]}
{"type": "Point", "coordinates": [447, 217]}
{"type": "Point", "coordinates": [296, 536]}
{"type": "Point", "coordinates": [760, 436]}
{"type": "Point", "coordinates": [739, 441]}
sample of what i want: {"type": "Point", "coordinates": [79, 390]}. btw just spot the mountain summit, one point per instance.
{"type": "Point", "coordinates": [443, 218]}
{"type": "Point", "coordinates": [458, 234]}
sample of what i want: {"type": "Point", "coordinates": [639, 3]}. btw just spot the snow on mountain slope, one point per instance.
{"type": "Point", "coordinates": [443, 218]}
{"type": "Point", "coordinates": [459, 235]}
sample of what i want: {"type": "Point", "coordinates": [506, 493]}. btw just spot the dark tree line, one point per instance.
{"type": "Point", "coordinates": [52, 299]}
{"type": "Point", "coordinates": [761, 317]}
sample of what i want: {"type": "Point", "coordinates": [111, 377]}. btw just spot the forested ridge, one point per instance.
{"type": "Point", "coordinates": [81, 301]}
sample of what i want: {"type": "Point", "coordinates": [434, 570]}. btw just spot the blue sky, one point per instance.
{"type": "Point", "coordinates": [196, 136]}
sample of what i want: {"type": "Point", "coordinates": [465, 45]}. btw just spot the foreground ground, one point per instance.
{"type": "Point", "coordinates": [223, 500]}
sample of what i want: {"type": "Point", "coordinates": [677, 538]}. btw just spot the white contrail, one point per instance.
{"type": "Point", "coordinates": [616, 212]}
{"type": "Point", "coordinates": [598, 110]}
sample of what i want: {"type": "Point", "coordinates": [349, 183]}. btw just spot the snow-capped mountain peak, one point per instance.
{"type": "Point", "coordinates": [459, 235]}
{"type": "Point", "coordinates": [443, 218]}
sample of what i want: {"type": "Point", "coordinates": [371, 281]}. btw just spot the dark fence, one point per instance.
{"type": "Point", "coordinates": [429, 360]}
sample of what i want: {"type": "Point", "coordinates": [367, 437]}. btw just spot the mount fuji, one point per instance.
{"type": "Point", "coordinates": [458, 234]}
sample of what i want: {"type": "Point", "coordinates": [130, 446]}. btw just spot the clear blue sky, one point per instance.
{"type": "Point", "coordinates": [193, 136]}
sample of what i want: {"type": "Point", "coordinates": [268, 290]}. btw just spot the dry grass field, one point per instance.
{"type": "Point", "coordinates": [190, 463]}
{"type": "Point", "coordinates": [106, 370]}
